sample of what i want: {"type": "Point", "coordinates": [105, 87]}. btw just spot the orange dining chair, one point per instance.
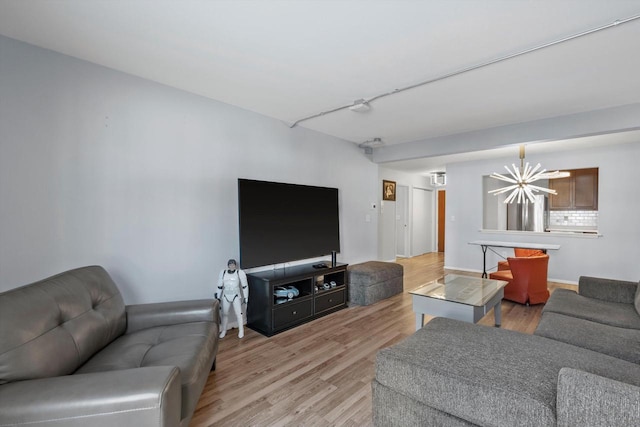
{"type": "Point", "coordinates": [527, 279]}
{"type": "Point", "coordinates": [519, 253]}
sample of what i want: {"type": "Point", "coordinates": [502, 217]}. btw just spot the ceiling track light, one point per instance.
{"type": "Point", "coordinates": [365, 102]}
{"type": "Point", "coordinates": [360, 106]}
{"type": "Point", "coordinates": [375, 142]}
{"type": "Point", "coordinates": [370, 144]}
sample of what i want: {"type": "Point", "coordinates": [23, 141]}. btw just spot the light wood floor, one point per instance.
{"type": "Point", "coordinates": [319, 374]}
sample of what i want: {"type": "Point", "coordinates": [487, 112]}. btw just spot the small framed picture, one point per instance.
{"type": "Point", "coordinates": [388, 190]}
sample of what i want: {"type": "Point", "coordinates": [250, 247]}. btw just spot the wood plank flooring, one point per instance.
{"type": "Point", "coordinates": [319, 374]}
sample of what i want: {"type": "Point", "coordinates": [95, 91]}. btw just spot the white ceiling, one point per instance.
{"type": "Point", "coordinates": [292, 59]}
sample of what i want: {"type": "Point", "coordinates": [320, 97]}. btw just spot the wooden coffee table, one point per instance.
{"type": "Point", "coordinates": [459, 297]}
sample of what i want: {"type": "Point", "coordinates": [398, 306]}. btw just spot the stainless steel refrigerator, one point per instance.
{"type": "Point", "coordinates": [528, 216]}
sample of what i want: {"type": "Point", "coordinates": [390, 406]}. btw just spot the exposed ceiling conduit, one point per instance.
{"type": "Point", "coordinates": [472, 68]}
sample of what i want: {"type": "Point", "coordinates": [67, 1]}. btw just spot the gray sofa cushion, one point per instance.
{"type": "Point", "coordinates": [636, 301]}
{"type": "Point", "coordinates": [391, 409]}
{"type": "Point", "coordinates": [189, 346]}
{"type": "Point", "coordinates": [78, 313]}
{"type": "Point", "coordinates": [565, 301]}
{"type": "Point", "coordinates": [486, 375]}
{"type": "Point", "coordinates": [622, 343]}
{"type": "Point", "coordinates": [612, 290]}
{"type": "Point", "coordinates": [585, 399]}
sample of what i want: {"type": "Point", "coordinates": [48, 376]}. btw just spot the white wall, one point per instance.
{"type": "Point", "coordinates": [614, 255]}
{"type": "Point", "coordinates": [423, 224]}
{"type": "Point", "coordinates": [100, 167]}
{"type": "Point", "coordinates": [387, 210]}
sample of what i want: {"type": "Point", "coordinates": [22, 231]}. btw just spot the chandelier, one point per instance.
{"type": "Point", "coordinates": [521, 179]}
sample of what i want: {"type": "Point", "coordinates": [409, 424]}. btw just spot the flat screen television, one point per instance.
{"type": "Point", "coordinates": [282, 222]}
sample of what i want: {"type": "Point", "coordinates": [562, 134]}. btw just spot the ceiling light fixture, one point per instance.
{"type": "Point", "coordinates": [521, 179]}
{"type": "Point", "coordinates": [360, 106]}
{"type": "Point", "coordinates": [438, 179]}
{"type": "Point", "coordinates": [370, 144]}
{"type": "Point", "coordinates": [375, 142]}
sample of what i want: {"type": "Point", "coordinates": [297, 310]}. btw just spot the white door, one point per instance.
{"type": "Point", "coordinates": [402, 220]}
{"type": "Point", "coordinates": [423, 224]}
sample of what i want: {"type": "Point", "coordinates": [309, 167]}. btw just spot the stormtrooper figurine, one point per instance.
{"type": "Point", "coordinates": [232, 290]}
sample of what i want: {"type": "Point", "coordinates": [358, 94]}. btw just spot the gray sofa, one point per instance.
{"type": "Point", "coordinates": [580, 368]}
{"type": "Point", "coordinates": [72, 354]}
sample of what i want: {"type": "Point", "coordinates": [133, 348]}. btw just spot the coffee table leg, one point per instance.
{"type": "Point", "coordinates": [419, 321]}
{"type": "Point", "coordinates": [497, 313]}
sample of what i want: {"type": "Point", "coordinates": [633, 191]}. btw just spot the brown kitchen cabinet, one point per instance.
{"type": "Point", "coordinates": [579, 191]}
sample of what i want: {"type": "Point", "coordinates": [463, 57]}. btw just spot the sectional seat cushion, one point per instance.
{"type": "Point", "coordinates": [188, 346]}
{"type": "Point", "coordinates": [617, 314]}
{"type": "Point", "coordinates": [486, 375]}
{"type": "Point", "coordinates": [622, 343]}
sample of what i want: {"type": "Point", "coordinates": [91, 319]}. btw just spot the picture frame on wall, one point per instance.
{"type": "Point", "coordinates": [388, 190]}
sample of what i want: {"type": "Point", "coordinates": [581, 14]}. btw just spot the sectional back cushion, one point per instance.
{"type": "Point", "coordinates": [637, 299]}
{"type": "Point", "coordinates": [51, 327]}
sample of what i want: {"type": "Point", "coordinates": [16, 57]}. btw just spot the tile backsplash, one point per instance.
{"type": "Point", "coordinates": [567, 219]}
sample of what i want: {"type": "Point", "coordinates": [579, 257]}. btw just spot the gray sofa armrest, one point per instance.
{"type": "Point", "coordinates": [589, 400]}
{"type": "Point", "coordinates": [132, 397]}
{"type": "Point", "coordinates": [143, 316]}
{"type": "Point", "coordinates": [607, 289]}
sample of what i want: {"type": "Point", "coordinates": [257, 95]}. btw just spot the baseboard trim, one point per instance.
{"type": "Point", "coordinates": [470, 270]}
{"type": "Point", "coordinates": [564, 282]}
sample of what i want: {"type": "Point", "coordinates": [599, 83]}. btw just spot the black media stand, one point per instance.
{"type": "Point", "coordinates": [269, 314]}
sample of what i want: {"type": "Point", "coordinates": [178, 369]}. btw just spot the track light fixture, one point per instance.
{"type": "Point", "coordinates": [370, 144]}
{"type": "Point", "coordinates": [360, 106]}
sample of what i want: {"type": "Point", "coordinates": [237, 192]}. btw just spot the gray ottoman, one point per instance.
{"type": "Point", "coordinates": [373, 281]}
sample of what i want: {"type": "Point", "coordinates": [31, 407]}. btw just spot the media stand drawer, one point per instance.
{"type": "Point", "coordinates": [291, 313]}
{"type": "Point", "coordinates": [329, 299]}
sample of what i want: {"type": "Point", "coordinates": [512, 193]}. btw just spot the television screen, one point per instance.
{"type": "Point", "coordinates": [286, 222]}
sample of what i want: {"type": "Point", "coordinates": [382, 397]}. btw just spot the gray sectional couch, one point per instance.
{"type": "Point", "coordinates": [580, 368]}
{"type": "Point", "coordinates": [72, 354]}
